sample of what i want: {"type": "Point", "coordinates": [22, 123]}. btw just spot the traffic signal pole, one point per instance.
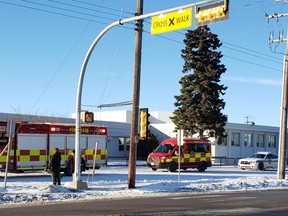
{"type": "Point", "coordinates": [77, 182]}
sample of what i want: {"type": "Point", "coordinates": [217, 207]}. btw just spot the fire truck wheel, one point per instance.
{"type": "Point", "coordinates": [202, 167]}
{"type": "Point", "coordinates": [172, 167]}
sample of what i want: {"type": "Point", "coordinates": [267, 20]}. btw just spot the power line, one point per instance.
{"type": "Point", "coordinates": [252, 55]}
{"type": "Point", "coordinates": [110, 19]}
{"type": "Point", "coordinates": [52, 12]}
{"type": "Point", "coordinates": [238, 59]}
{"type": "Point", "coordinates": [68, 10]}
{"type": "Point", "coordinates": [111, 9]}
{"type": "Point", "coordinates": [253, 63]}
{"type": "Point", "coordinates": [251, 50]}
{"type": "Point", "coordinates": [85, 8]}
{"type": "Point", "coordinates": [244, 48]}
{"type": "Point", "coordinates": [60, 66]}
{"type": "Point", "coordinates": [65, 10]}
{"type": "Point", "coordinates": [100, 6]}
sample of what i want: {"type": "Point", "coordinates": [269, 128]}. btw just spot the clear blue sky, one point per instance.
{"type": "Point", "coordinates": [43, 44]}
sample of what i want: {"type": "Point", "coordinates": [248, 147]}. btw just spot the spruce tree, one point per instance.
{"type": "Point", "coordinates": [199, 106]}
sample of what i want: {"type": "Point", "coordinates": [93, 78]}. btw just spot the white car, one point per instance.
{"type": "Point", "coordinates": [259, 161]}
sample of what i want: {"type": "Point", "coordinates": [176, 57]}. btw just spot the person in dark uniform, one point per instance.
{"type": "Point", "coordinates": [55, 166]}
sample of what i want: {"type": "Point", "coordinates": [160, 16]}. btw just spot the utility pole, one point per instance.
{"type": "Point", "coordinates": [283, 119]}
{"type": "Point", "coordinates": [136, 96]}
{"type": "Point", "coordinates": [283, 128]}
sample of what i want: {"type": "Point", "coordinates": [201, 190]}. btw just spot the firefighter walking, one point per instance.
{"type": "Point", "coordinates": [55, 166]}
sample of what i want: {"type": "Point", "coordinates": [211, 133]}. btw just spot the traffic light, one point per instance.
{"type": "Point", "coordinates": [4, 140]}
{"type": "Point", "coordinates": [144, 115]}
{"type": "Point", "coordinates": [88, 117]}
{"type": "Point", "coordinates": [212, 13]}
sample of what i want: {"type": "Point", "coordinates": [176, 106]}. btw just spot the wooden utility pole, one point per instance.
{"type": "Point", "coordinates": [136, 96]}
{"type": "Point", "coordinates": [283, 123]}
{"type": "Point", "coordinates": [283, 126]}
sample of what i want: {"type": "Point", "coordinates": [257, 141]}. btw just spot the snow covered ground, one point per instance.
{"type": "Point", "coordinates": [111, 182]}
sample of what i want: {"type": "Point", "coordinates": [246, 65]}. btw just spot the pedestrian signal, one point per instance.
{"type": "Point", "coordinates": [88, 117]}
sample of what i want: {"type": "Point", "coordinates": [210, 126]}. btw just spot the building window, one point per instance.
{"type": "Point", "coordinates": [260, 140]}
{"type": "Point", "coordinates": [235, 139]}
{"type": "Point", "coordinates": [124, 142]}
{"type": "Point", "coordinates": [121, 144]}
{"type": "Point", "coordinates": [248, 139]}
{"type": "Point", "coordinates": [222, 141]}
{"type": "Point", "coordinates": [272, 141]}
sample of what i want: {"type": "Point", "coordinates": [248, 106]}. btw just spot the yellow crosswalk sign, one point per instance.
{"type": "Point", "coordinates": [171, 21]}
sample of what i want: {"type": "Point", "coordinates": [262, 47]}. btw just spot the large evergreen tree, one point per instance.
{"type": "Point", "coordinates": [199, 106]}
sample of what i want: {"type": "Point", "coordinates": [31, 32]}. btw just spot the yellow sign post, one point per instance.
{"type": "Point", "coordinates": [171, 21]}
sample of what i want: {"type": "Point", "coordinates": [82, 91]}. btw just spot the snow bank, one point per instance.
{"type": "Point", "coordinates": [111, 182]}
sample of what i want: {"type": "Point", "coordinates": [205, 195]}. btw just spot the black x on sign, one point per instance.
{"type": "Point", "coordinates": [172, 21]}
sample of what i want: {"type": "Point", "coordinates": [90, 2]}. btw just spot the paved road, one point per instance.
{"type": "Point", "coordinates": [272, 202]}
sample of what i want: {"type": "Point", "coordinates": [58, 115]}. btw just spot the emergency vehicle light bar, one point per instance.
{"type": "Point", "coordinates": [54, 129]}
{"type": "Point", "coordinates": [102, 131]}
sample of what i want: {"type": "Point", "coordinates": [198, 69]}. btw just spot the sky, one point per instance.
{"type": "Point", "coordinates": [111, 182]}
{"type": "Point", "coordinates": [44, 43]}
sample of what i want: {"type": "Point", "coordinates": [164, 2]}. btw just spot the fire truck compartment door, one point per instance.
{"type": "Point", "coordinates": [31, 150]}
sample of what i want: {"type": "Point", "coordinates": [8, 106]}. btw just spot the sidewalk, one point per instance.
{"type": "Point", "coordinates": [110, 162]}
{"type": "Point", "coordinates": [124, 162]}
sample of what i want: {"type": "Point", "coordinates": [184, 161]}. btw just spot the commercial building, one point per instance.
{"type": "Point", "coordinates": [242, 139]}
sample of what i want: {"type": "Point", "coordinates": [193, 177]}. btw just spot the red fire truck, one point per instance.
{"type": "Point", "coordinates": [32, 146]}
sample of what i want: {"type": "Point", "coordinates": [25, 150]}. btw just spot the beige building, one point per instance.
{"type": "Point", "coordinates": [242, 139]}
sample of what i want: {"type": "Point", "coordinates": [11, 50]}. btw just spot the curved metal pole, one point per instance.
{"type": "Point", "coordinates": [77, 171]}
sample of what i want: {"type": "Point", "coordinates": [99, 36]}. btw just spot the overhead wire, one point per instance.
{"type": "Point", "coordinates": [95, 5]}
{"type": "Point", "coordinates": [63, 9]}
{"type": "Point", "coordinates": [52, 12]}
{"type": "Point", "coordinates": [238, 59]}
{"type": "Point", "coordinates": [58, 69]}
{"type": "Point", "coordinates": [114, 55]}
{"type": "Point", "coordinates": [100, 6]}
{"type": "Point", "coordinates": [110, 19]}
{"type": "Point", "coordinates": [85, 8]}
{"type": "Point", "coordinates": [67, 10]}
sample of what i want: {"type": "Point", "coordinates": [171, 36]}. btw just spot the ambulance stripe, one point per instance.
{"type": "Point", "coordinates": [24, 158]}
{"type": "Point", "coordinates": [190, 158]}
{"type": "Point", "coordinates": [26, 155]}
{"type": "Point", "coordinates": [34, 158]}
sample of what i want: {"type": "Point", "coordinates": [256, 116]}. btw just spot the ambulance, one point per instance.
{"type": "Point", "coordinates": [32, 144]}
{"type": "Point", "coordinates": [195, 153]}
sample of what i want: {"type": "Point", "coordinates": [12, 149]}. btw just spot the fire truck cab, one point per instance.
{"type": "Point", "coordinates": [195, 153]}
{"type": "Point", "coordinates": [32, 146]}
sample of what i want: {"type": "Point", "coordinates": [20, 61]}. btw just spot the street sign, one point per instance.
{"type": "Point", "coordinates": [171, 21]}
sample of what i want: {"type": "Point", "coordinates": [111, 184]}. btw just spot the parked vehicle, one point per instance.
{"type": "Point", "coordinates": [195, 153]}
{"type": "Point", "coordinates": [33, 143]}
{"type": "Point", "coordinates": [259, 161]}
